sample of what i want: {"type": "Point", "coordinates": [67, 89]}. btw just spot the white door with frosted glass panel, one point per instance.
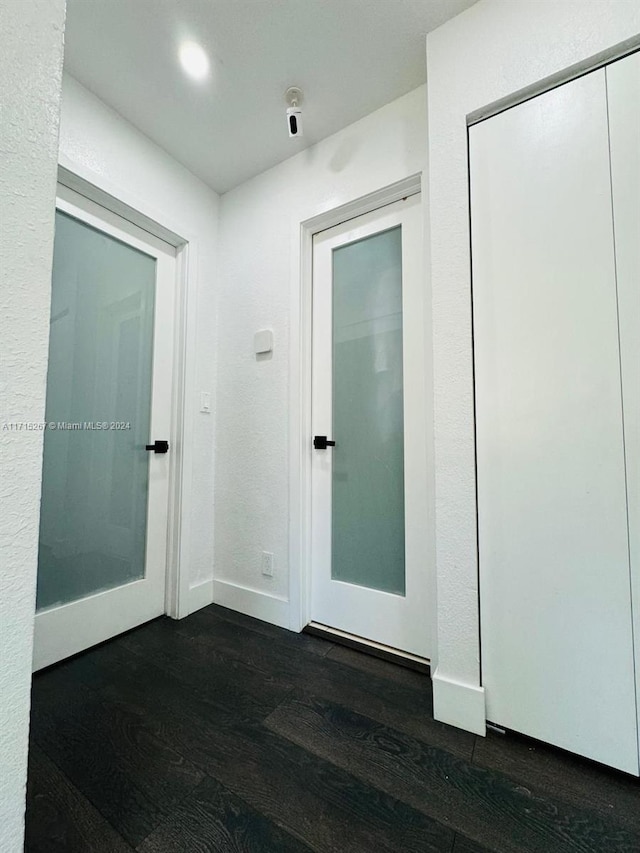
{"type": "Point", "coordinates": [103, 522]}
{"type": "Point", "coordinates": [369, 545]}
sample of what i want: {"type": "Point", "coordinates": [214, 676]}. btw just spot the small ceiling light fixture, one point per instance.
{"type": "Point", "coordinates": [194, 60]}
{"type": "Point", "coordinates": [293, 96]}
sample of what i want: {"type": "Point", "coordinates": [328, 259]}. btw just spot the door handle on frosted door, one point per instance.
{"type": "Point", "coordinates": [321, 442]}
{"type": "Point", "coordinates": [158, 446]}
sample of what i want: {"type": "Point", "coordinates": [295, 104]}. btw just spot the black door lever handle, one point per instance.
{"type": "Point", "coordinates": [321, 442]}
{"type": "Point", "coordinates": [158, 446]}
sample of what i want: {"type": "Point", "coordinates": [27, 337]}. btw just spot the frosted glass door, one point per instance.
{"type": "Point", "coordinates": [103, 520]}
{"type": "Point", "coordinates": [369, 527]}
{"type": "Point", "coordinates": [95, 471]}
{"type": "Point", "coordinates": [368, 461]}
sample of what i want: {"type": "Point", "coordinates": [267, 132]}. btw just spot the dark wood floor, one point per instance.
{"type": "Point", "coordinates": [221, 733]}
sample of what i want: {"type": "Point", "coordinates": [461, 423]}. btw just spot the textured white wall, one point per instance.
{"type": "Point", "coordinates": [30, 75]}
{"type": "Point", "coordinates": [259, 244]}
{"type": "Point", "coordinates": [110, 152]}
{"type": "Point", "coordinates": [492, 50]}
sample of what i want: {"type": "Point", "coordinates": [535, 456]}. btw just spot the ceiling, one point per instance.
{"type": "Point", "coordinates": [349, 57]}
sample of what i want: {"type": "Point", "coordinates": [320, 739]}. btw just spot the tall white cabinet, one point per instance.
{"type": "Point", "coordinates": [555, 220]}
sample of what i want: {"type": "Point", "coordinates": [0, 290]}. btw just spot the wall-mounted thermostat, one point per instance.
{"type": "Point", "coordinates": [263, 341]}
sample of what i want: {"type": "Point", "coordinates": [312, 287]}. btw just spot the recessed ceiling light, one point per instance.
{"type": "Point", "coordinates": [194, 60]}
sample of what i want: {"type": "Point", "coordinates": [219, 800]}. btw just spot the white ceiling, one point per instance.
{"type": "Point", "coordinates": [349, 57]}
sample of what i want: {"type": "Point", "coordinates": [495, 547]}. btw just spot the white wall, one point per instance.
{"type": "Point", "coordinates": [103, 148]}
{"type": "Point", "coordinates": [30, 75]}
{"type": "Point", "coordinates": [492, 50]}
{"type": "Point", "coordinates": [260, 280]}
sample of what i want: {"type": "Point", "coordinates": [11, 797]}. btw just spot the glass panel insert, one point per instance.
{"type": "Point", "coordinates": [368, 424]}
{"type": "Point", "coordinates": [95, 469]}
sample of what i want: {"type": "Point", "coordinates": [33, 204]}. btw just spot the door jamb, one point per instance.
{"type": "Point", "coordinates": [300, 385]}
{"type": "Point", "coordinates": [96, 189]}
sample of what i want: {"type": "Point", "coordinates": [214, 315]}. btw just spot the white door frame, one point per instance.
{"type": "Point", "coordinates": [300, 388]}
{"type": "Point", "coordinates": [113, 199]}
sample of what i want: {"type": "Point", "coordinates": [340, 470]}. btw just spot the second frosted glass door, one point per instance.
{"type": "Point", "coordinates": [368, 462]}
{"type": "Point", "coordinates": [367, 574]}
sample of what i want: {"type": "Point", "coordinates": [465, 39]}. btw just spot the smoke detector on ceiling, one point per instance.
{"type": "Point", "coordinates": [293, 96]}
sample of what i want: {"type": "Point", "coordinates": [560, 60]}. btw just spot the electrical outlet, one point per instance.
{"type": "Point", "coordinates": [267, 564]}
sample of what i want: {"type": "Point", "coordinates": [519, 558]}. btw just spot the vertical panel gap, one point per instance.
{"type": "Point", "coordinates": [620, 369]}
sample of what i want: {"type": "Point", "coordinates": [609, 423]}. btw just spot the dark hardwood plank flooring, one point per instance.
{"type": "Point", "coordinates": [464, 845]}
{"type": "Point", "coordinates": [582, 782]}
{"type": "Point", "coordinates": [214, 819]}
{"type": "Point", "coordinates": [377, 667]}
{"type": "Point", "coordinates": [223, 733]}
{"type": "Point", "coordinates": [329, 808]}
{"type": "Point", "coordinates": [61, 820]}
{"type": "Point", "coordinates": [208, 619]}
{"type": "Point", "coordinates": [483, 804]}
{"type": "Point", "coordinates": [115, 757]}
{"type": "Point", "coordinates": [400, 702]}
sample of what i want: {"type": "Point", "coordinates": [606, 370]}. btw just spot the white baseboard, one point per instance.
{"type": "Point", "coordinates": [200, 595]}
{"type": "Point", "coordinates": [251, 602]}
{"type": "Point", "coordinates": [458, 704]}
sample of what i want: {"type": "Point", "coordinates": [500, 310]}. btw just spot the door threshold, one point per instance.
{"type": "Point", "coordinates": [370, 647]}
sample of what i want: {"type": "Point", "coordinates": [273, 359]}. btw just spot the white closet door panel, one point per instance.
{"type": "Point", "coordinates": [623, 90]}
{"type": "Point", "coordinates": [554, 574]}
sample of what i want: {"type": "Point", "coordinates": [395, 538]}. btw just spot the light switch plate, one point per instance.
{"type": "Point", "coordinates": [205, 402]}
{"type": "Point", "coordinates": [263, 341]}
